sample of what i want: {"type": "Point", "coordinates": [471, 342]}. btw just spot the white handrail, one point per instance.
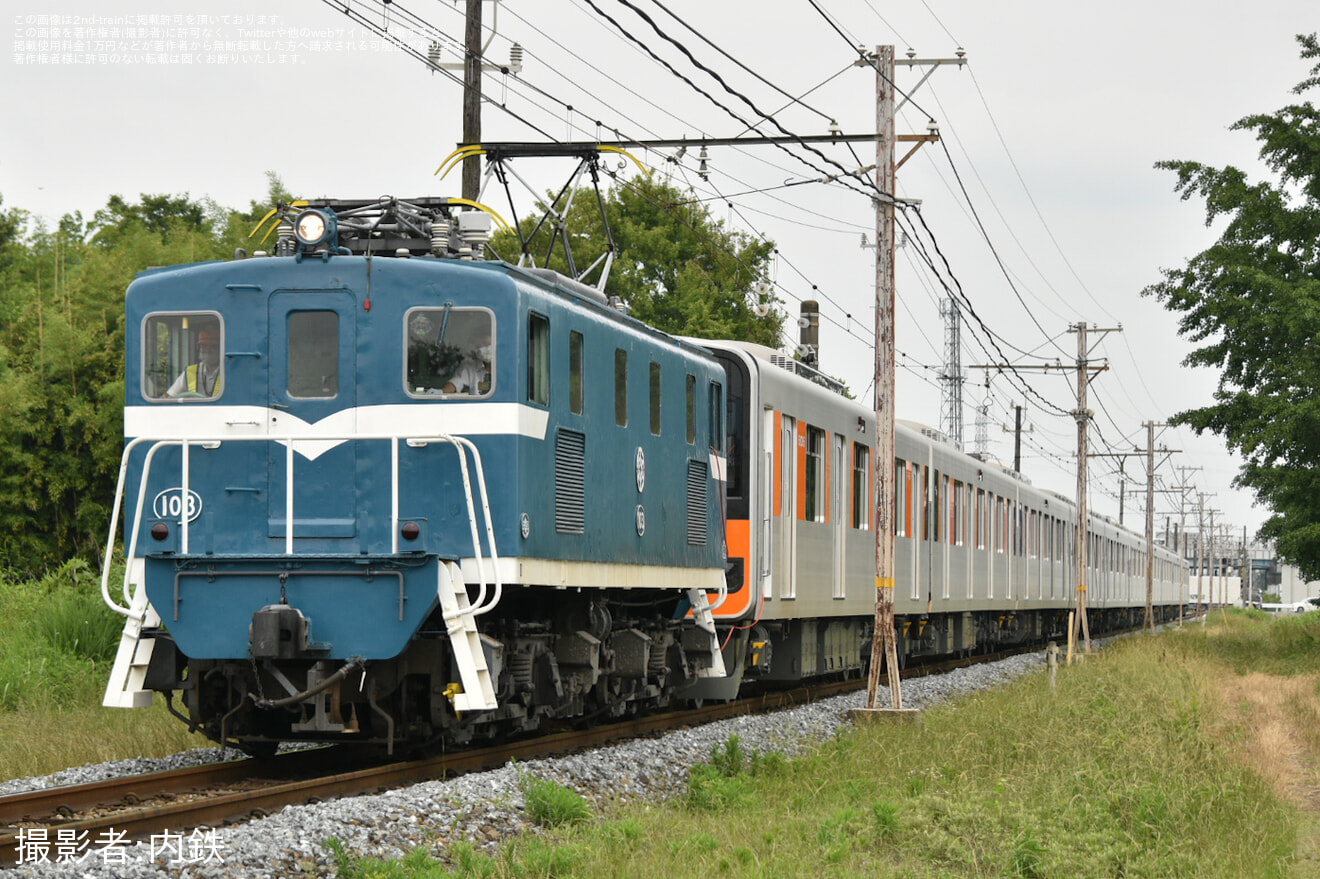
{"type": "Point", "coordinates": [461, 446]}
{"type": "Point", "coordinates": [490, 530]}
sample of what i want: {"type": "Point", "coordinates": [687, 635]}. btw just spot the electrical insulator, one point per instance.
{"type": "Point", "coordinates": [515, 58]}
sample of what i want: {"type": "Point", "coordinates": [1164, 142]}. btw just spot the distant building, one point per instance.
{"type": "Point", "coordinates": [1220, 579]}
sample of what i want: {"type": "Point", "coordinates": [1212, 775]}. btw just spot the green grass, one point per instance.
{"type": "Point", "coordinates": [1136, 766]}
{"type": "Point", "coordinates": [57, 643]}
{"type": "Point", "coordinates": [1166, 756]}
{"type": "Point", "coordinates": [550, 804]}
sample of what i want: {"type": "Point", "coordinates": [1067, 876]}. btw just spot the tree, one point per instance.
{"type": "Point", "coordinates": [1251, 302]}
{"type": "Point", "coordinates": [62, 366]}
{"type": "Point", "coordinates": [676, 267]}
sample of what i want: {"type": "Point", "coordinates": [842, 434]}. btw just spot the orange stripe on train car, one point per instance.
{"type": "Point", "coordinates": [739, 548]}
{"type": "Point", "coordinates": [740, 544]}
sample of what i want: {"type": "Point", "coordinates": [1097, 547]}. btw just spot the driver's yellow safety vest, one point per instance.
{"type": "Point", "coordinates": [192, 381]}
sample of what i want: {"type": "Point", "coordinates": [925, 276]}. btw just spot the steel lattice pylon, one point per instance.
{"type": "Point", "coordinates": [951, 378]}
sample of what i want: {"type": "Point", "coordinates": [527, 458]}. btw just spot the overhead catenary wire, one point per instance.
{"type": "Point", "coordinates": [845, 324]}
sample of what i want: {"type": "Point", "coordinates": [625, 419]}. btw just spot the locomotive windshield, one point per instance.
{"type": "Point", "coordinates": [313, 367]}
{"type": "Point", "coordinates": [182, 356]}
{"type": "Point", "coordinates": [451, 351]}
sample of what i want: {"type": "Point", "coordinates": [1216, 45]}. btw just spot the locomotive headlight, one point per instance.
{"type": "Point", "coordinates": [314, 229]}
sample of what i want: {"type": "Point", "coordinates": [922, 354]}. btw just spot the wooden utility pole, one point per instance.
{"type": "Point", "coordinates": [883, 641]}
{"type": "Point", "coordinates": [472, 99]}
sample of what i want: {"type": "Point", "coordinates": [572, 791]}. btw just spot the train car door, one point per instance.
{"type": "Point", "coordinates": [312, 393]}
{"type": "Point", "coordinates": [839, 519]}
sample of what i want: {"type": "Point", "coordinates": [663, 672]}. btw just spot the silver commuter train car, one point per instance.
{"type": "Point", "coordinates": [982, 558]}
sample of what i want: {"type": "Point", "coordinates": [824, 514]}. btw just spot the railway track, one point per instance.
{"type": "Point", "coordinates": [137, 807]}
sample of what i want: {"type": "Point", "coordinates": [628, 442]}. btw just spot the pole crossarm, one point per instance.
{"type": "Point", "coordinates": [763, 140]}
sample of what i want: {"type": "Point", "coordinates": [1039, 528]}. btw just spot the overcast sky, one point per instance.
{"type": "Point", "coordinates": [1053, 128]}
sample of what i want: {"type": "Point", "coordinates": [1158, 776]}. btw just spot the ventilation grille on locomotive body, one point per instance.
{"type": "Point", "coordinates": [697, 520]}
{"type": "Point", "coordinates": [570, 482]}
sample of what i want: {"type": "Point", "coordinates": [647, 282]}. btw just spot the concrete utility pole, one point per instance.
{"type": "Point", "coordinates": [1182, 527]}
{"type": "Point", "coordinates": [1200, 551]}
{"type": "Point", "coordinates": [1244, 584]}
{"type": "Point", "coordinates": [1203, 553]}
{"type": "Point", "coordinates": [1149, 621]}
{"type": "Point", "coordinates": [1122, 487]}
{"type": "Point", "coordinates": [1083, 416]}
{"type": "Point", "coordinates": [472, 99]}
{"type": "Point", "coordinates": [1149, 454]}
{"type": "Point", "coordinates": [1017, 437]}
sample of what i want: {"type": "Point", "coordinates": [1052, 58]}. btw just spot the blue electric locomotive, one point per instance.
{"type": "Point", "coordinates": [422, 496]}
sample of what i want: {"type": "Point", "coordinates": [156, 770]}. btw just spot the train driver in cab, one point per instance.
{"type": "Point", "coordinates": [474, 373]}
{"type": "Point", "coordinates": [205, 378]}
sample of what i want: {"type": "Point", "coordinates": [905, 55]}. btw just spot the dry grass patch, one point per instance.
{"type": "Point", "coordinates": [1278, 720]}
{"type": "Point", "coordinates": [42, 740]}
{"type": "Point", "coordinates": [1281, 719]}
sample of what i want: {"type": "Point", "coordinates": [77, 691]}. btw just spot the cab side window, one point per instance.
{"type": "Point", "coordinates": [183, 356]}
{"type": "Point", "coordinates": [538, 359]}
{"type": "Point", "coordinates": [450, 352]}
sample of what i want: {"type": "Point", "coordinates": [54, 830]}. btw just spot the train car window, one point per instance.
{"type": "Point", "coordinates": [313, 367]}
{"type": "Point", "coordinates": [450, 351]}
{"type": "Point", "coordinates": [814, 509]}
{"type": "Point", "coordinates": [861, 487]}
{"type": "Point", "coordinates": [937, 508]}
{"type": "Point", "coordinates": [737, 440]}
{"type": "Point", "coordinates": [655, 398]}
{"type": "Point", "coordinates": [957, 524]}
{"type": "Point", "coordinates": [980, 518]}
{"type": "Point", "coordinates": [924, 500]}
{"type": "Point", "coordinates": [538, 359]}
{"type": "Point", "coordinates": [183, 356]}
{"type": "Point", "coordinates": [903, 497]}
{"type": "Point", "coordinates": [620, 387]}
{"type": "Point", "coordinates": [998, 503]}
{"type": "Point", "coordinates": [969, 512]}
{"type": "Point", "coordinates": [690, 402]}
{"type": "Point", "coordinates": [576, 394]}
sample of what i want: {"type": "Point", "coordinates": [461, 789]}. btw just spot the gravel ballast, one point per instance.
{"type": "Point", "coordinates": [482, 808]}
